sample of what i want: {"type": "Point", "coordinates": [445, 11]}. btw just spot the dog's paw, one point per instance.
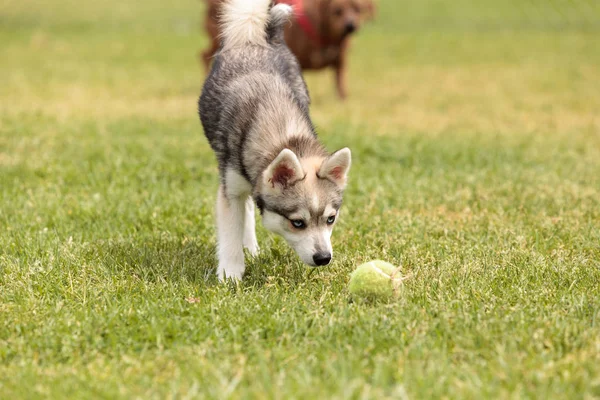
{"type": "Point", "coordinates": [252, 248]}
{"type": "Point", "coordinates": [230, 271]}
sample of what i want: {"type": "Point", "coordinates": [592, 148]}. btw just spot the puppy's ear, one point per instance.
{"type": "Point", "coordinates": [336, 167]}
{"type": "Point", "coordinates": [284, 171]}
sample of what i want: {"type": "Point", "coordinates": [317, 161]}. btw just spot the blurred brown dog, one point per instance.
{"type": "Point", "coordinates": [319, 35]}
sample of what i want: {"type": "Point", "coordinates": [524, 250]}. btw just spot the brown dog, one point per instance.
{"type": "Point", "coordinates": [319, 35]}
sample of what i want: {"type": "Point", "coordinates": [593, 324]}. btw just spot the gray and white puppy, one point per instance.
{"type": "Point", "coordinates": [254, 110]}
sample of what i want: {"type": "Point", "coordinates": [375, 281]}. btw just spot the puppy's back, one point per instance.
{"type": "Point", "coordinates": [255, 86]}
{"type": "Point", "coordinates": [252, 44]}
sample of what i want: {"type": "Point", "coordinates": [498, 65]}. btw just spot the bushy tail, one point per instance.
{"type": "Point", "coordinates": [245, 22]}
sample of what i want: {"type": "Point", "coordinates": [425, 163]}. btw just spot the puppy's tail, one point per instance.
{"type": "Point", "coordinates": [251, 22]}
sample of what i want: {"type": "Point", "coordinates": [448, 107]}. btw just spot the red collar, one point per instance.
{"type": "Point", "coordinates": [305, 24]}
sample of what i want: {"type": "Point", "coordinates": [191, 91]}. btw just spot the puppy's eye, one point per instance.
{"type": "Point", "coordinates": [298, 223]}
{"type": "Point", "coordinates": [338, 12]}
{"type": "Point", "coordinates": [331, 220]}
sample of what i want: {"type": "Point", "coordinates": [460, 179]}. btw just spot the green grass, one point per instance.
{"type": "Point", "coordinates": [475, 131]}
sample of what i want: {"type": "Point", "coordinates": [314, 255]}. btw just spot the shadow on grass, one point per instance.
{"type": "Point", "coordinates": [275, 264]}
{"type": "Point", "coordinates": [162, 260]}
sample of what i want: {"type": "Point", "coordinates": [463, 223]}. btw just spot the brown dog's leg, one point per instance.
{"type": "Point", "coordinates": [340, 70]}
{"type": "Point", "coordinates": [208, 54]}
{"type": "Point", "coordinates": [212, 29]}
{"type": "Point", "coordinates": [340, 80]}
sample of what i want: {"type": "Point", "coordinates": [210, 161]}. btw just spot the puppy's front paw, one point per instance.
{"type": "Point", "coordinates": [230, 271]}
{"type": "Point", "coordinates": [252, 248]}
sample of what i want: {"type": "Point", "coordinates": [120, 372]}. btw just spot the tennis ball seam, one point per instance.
{"type": "Point", "coordinates": [379, 270]}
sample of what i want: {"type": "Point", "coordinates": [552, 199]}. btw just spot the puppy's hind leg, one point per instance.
{"type": "Point", "coordinates": [250, 241]}
{"type": "Point", "coordinates": [230, 234]}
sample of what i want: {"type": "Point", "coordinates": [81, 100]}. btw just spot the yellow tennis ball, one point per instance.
{"type": "Point", "coordinates": [375, 280]}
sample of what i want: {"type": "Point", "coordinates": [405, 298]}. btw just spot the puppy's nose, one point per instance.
{"type": "Point", "coordinates": [322, 258]}
{"type": "Point", "coordinates": [350, 27]}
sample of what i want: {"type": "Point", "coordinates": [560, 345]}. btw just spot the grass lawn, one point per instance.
{"type": "Point", "coordinates": [475, 130]}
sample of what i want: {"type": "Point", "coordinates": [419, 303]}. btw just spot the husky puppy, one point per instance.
{"type": "Point", "coordinates": [254, 110]}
